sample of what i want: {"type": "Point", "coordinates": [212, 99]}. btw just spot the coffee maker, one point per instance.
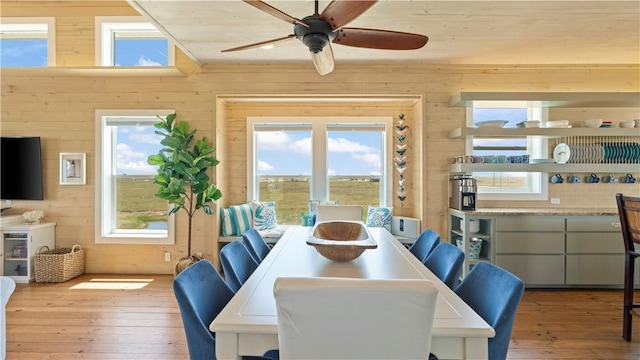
{"type": "Point", "coordinates": [462, 192]}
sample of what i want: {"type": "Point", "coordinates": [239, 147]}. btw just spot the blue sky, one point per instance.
{"type": "Point", "coordinates": [28, 53]}
{"type": "Point", "coordinates": [33, 53]}
{"type": "Point", "coordinates": [134, 145]}
{"type": "Point", "coordinates": [290, 153]}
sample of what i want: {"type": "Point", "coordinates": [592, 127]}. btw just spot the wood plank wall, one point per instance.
{"type": "Point", "coordinates": [60, 107]}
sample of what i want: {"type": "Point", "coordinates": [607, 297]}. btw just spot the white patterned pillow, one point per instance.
{"type": "Point", "coordinates": [264, 215]}
{"type": "Point", "coordinates": [241, 218]}
{"type": "Point", "coordinates": [379, 217]}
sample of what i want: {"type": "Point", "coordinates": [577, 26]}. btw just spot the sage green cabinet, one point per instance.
{"type": "Point", "coordinates": [548, 250]}
{"type": "Point", "coordinates": [532, 248]}
{"type": "Point", "coordinates": [544, 269]}
{"type": "Point", "coordinates": [595, 251]}
{"type": "Point", "coordinates": [460, 228]}
{"type": "Point", "coordinates": [580, 250]}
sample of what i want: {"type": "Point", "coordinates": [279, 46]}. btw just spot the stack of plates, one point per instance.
{"type": "Point", "coordinates": [606, 124]}
{"type": "Point", "coordinates": [558, 124]}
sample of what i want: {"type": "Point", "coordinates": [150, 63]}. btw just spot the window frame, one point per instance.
{"type": "Point", "coordinates": [106, 25]}
{"type": "Point", "coordinates": [537, 146]}
{"type": "Point", "coordinates": [105, 187]}
{"type": "Point", "coordinates": [320, 127]}
{"type": "Point", "coordinates": [26, 33]}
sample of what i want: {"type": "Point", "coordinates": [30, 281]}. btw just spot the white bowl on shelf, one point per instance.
{"type": "Point", "coordinates": [492, 123]}
{"type": "Point", "coordinates": [592, 123]}
{"type": "Point", "coordinates": [627, 124]}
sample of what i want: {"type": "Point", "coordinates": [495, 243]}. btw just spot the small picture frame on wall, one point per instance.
{"type": "Point", "coordinates": [73, 168]}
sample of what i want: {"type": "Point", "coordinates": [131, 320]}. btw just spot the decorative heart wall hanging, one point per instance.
{"type": "Point", "coordinates": [400, 161]}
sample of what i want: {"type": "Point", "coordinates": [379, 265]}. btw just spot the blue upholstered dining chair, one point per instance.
{"type": "Point", "coordinates": [202, 293]}
{"type": "Point", "coordinates": [494, 294]}
{"type": "Point", "coordinates": [256, 245]}
{"type": "Point", "coordinates": [237, 264]}
{"type": "Point", "coordinates": [424, 244]}
{"type": "Point", "coordinates": [445, 261]}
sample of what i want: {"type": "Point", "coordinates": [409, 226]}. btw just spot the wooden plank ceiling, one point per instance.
{"type": "Point", "coordinates": [460, 32]}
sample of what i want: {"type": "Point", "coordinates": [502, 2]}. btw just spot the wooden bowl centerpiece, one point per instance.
{"type": "Point", "coordinates": [341, 240]}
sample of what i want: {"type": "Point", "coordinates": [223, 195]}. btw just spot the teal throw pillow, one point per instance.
{"type": "Point", "coordinates": [241, 218]}
{"type": "Point", "coordinates": [226, 228]}
{"type": "Point", "coordinates": [308, 219]}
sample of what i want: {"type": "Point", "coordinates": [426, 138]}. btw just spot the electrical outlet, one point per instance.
{"type": "Point", "coordinates": [167, 256]}
{"type": "Point", "coordinates": [199, 253]}
{"type": "Point", "coordinates": [555, 201]}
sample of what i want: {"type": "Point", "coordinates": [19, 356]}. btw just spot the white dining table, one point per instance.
{"type": "Point", "coordinates": [248, 324]}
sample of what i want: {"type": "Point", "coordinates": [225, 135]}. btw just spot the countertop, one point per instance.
{"type": "Point", "coordinates": [536, 211]}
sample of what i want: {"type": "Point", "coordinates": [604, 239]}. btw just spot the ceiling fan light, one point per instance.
{"type": "Point", "coordinates": [323, 60]}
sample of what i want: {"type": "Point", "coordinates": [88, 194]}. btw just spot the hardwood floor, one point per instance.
{"type": "Point", "coordinates": [137, 317]}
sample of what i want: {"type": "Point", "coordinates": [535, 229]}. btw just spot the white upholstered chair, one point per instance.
{"type": "Point", "coordinates": [7, 286]}
{"type": "Point", "coordinates": [341, 318]}
{"type": "Point", "coordinates": [338, 212]}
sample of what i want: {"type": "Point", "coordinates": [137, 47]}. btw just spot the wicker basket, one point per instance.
{"type": "Point", "coordinates": [58, 265]}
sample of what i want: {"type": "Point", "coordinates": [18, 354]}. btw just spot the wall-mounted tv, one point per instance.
{"type": "Point", "coordinates": [21, 168]}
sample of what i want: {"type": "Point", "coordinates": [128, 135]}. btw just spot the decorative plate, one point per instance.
{"type": "Point", "coordinates": [561, 153]}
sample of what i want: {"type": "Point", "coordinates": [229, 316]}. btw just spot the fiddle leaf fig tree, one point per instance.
{"type": "Point", "coordinates": [182, 176]}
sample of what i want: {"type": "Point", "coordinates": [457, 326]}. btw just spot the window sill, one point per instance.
{"type": "Point", "coordinates": [135, 240]}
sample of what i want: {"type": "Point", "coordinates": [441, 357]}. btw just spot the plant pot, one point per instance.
{"type": "Point", "coordinates": [184, 263]}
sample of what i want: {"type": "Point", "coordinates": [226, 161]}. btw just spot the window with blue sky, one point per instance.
{"type": "Point", "coordinates": [319, 160]}
{"type": "Point", "coordinates": [130, 41]}
{"type": "Point", "coordinates": [129, 211]}
{"type": "Point", "coordinates": [27, 42]}
{"type": "Point", "coordinates": [508, 185]}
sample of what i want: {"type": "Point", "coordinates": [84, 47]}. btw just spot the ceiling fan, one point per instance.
{"type": "Point", "coordinates": [319, 30]}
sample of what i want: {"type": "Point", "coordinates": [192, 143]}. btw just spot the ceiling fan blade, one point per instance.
{"type": "Point", "coordinates": [275, 12]}
{"type": "Point", "coordinates": [341, 12]}
{"type": "Point", "coordinates": [262, 43]}
{"type": "Point", "coordinates": [380, 39]}
{"type": "Point", "coordinates": [323, 60]}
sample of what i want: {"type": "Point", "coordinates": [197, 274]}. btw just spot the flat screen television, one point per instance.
{"type": "Point", "coordinates": [21, 168]}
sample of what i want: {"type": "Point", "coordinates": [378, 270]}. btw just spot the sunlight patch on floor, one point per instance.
{"type": "Point", "coordinates": [113, 284]}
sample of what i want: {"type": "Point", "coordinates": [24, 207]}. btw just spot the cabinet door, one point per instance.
{"type": "Point", "coordinates": [595, 243]}
{"type": "Point", "coordinates": [593, 223]}
{"type": "Point", "coordinates": [530, 223]}
{"type": "Point", "coordinates": [603, 269]}
{"type": "Point", "coordinates": [529, 243]}
{"type": "Point", "coordinates": [534, 269]}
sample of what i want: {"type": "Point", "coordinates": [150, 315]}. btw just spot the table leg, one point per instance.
{"type": "Point", "coordinates": [227, 346]}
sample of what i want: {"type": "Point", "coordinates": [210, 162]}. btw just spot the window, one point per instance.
{"type": "Point", "coordinates": [293, 160]}
{"type": "Point", "coordinates": [509, 185]}
{"type": "Point", "coordinates": [355, 164]}
{"type": "Point", "coordinates": [127, 210]}
{"type": "Point", "coordinates": [131, 41]}
{"type": "Point", "coordinates": [27, 42]}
